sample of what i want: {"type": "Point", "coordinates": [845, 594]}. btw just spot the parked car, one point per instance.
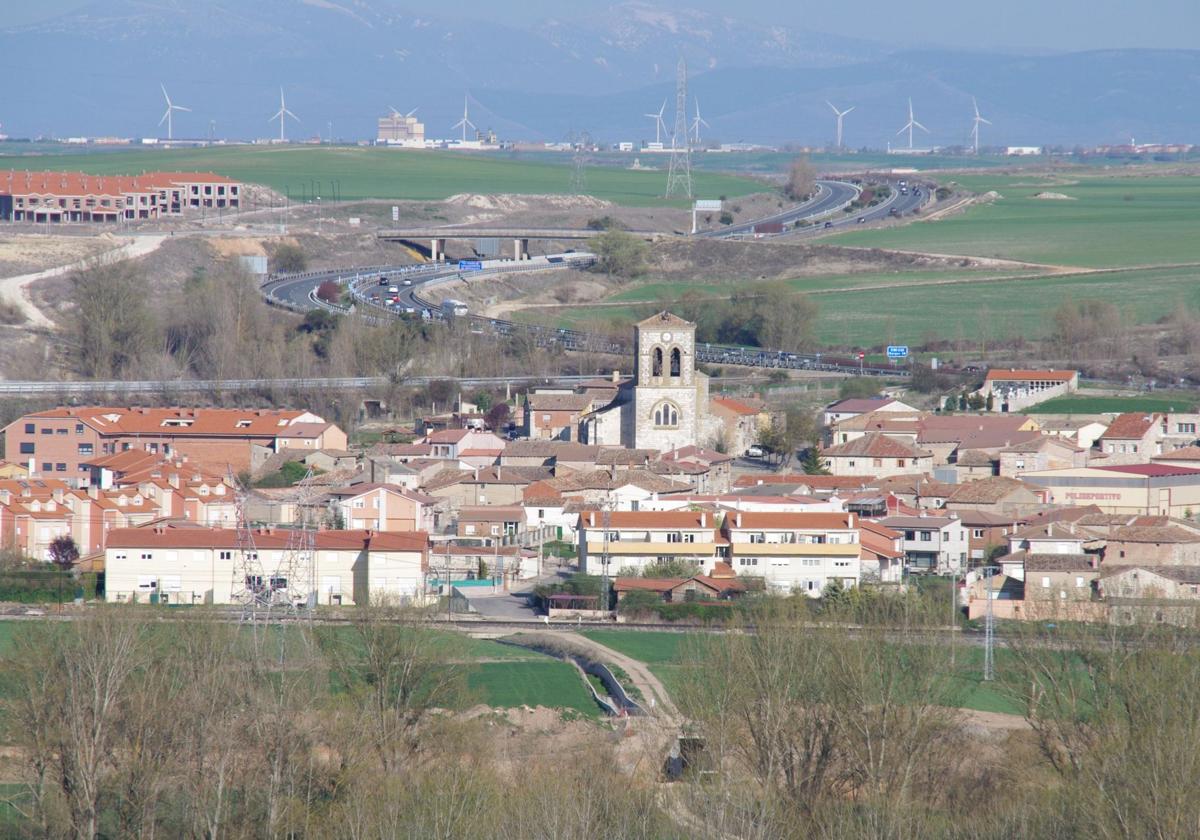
{"type": "Point", "coordinates": [755, 452]}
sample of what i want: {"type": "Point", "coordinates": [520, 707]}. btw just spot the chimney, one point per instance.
{"type": "Point", "coordinates": [703, 519]}
{"type": "Point", "coordinates": [850, 520]}
{"type": "Point", "coordinates": [592, 516]}
{"type": "Point", "coordinates": [738, 519]}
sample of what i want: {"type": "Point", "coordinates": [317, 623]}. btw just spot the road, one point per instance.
{"type": "Point", "coordinates": [830, 197]}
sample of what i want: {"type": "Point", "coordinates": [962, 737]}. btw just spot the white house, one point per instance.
{"type": "Point", "coordinates": [795, 552]}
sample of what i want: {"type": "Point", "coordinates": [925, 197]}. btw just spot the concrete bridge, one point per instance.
{"type": "Point", "coordinates": [520, 237]}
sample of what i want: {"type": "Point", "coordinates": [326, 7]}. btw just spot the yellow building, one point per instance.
{"type": "Point", "coordinates": [1154, 489]}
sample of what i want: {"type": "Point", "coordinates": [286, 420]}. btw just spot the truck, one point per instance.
{"type": "Point", "coordinates": [768, 228]}
{"type": "Point", "coordinates": [452, 308]}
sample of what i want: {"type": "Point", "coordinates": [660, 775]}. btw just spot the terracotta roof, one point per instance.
{"type": "Point", "coordinates": [881, 545]}
{"type": "Point", "coordinates": [1053, 562]}
{"type": "Point", "coordinates": [161, 422]}
{"type": "Point", "coordinates": [656, 519]}
{"type": "Point", "coordinates": [987, 490]}
{"type": "Point", "coordinates": [17, 182]}
{"type": "Point", "coordinates": [616, 456]}
{"type": "Point", "coordinates": [1186, 453]}
{"type": "Point", "coordinates": [1014, 375]}
{"type": "Point", "coordinates": [193, 537]}
{"type": "Point", "coordinates": [696, 453]}
{"type": "Point", "coordinates": [1180, 574]}
{"type": "Point", "coordinates": [973, 458]}
{"type": "Point", "coordinates": [1132, 425]}
{"type": "Point", "coordinates": [875, 446]}
{"type": "Point", "coordinates": [1153, 534]}
{"type": "Point", "coordinates": [1152, 470]}
{"type": "Point", "coordinates": [767, 520]}
{"type": "Point", "coordinates": [557, 449]}
{"type": "Point", "coordinates": [912, 485]}
{"type": "Point", "coordinates": [863, 405]}
{"type": "Point", "coordinates": [491, 513]}
{"type": "Point", "coordinates": [816, 482]}
{"type": "Point", "coordinates": [604, 480]}
{"type": "Point", "coordinates": [559, 402]}
{"type": "Point", "coordinates": [736, 406]}
{"type": "Point", "coordinates": [447, 436]}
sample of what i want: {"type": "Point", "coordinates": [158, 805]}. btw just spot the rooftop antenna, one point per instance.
{"type": "Point", "coordinates": [465, 121]}
{"type": "Point", "coordinates": [698, 121]}
{"type": "Point", "coordinates": [840, 115]}
{"type": "Point", "coordinates": [171, 108]}
{"type": "Point", "coordinates": [912, 122]}
{"type": "Point", "coordinates": [659, 125]}
{"type": "Point", "coordinates": [282, 114]}
{"type": "Point", "coordinates": [975, 123]}
{"type": "Point", "coordinates": [679, 174]}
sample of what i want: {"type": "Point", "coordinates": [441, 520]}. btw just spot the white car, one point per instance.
{"type": "Point", "coordinates": [393, 289]}
{"type": "Point", "coordinates": [755, 452]}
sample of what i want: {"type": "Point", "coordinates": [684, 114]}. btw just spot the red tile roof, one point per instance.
{"type": "Point", "coordinates": [736, 406]}
{"type": "Point", "coordinates": [209, 422]}
{"type": "Point", "coordinates": [767, 520]}
{"type": "Point", "coordinates": [1132, 425]}
{"type": "Point", "coordinates": [191, 537]}
{"type": "Point", "coordinates": [875, 446]}
{"type": "Point", "coordinates": [1152, 470]}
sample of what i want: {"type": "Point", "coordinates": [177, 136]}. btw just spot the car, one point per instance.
{"type": "Point", "coordinates": [393, 289]}
{"type": "Point", "coordinates": [755, 452]}
{"type": "Point", "coordinates": [383, 281]}
{"type": "Point", "coordinates": [407, 282]}
{"type": "Point", "coordinates": [861, 220]}
{"type": "Point", "coordinates": [829, 224]}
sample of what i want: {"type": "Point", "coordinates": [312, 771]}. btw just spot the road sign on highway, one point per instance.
{"type": "Point", "coordinates": [395, 213]}
{"type": "Point", "coordinates": [704, 204]}
{"type": "Point", "coordinates": [897, 351]}
{"type": "Point", "coordinates": [470, 265]}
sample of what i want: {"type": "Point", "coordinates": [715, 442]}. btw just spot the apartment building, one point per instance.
{"type": "Point", "coordinates": [932, 544]}
{"type": "Point", "coordinates": [59, 197]}
{"type": "Point", "coordinates": [637, 539]}
{"type": "Point", "coordinates": [795, 552]}
{"type": "Point", "coordinates": [189, 565]}
{"type": "Point", "coordinates": [62, 442]}
{"type": "Point", "coordinates": [383, 507]}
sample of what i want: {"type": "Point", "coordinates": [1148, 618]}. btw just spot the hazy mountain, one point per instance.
{"type": "Point", "coordinates": [97, 71]}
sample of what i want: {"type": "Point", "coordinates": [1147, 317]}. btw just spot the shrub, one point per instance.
{"type": "Point", "coordinates": [289, 259]}
{"type": "Point", "coordinates": [329, 291]}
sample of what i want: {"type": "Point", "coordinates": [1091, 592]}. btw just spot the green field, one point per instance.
{"type": "Point", "coordinates": [394, 174]}
{"type": "Point", "coordinates": [1114, 405]}
{"type": "Point", "coordinates": [545, 682]}
{"type": "Point", "coordinates": [1111, 222]}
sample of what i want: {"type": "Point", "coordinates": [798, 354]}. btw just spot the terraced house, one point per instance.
{"type": "Point", "coordinates": [62, 442]}
{"type": "Point", "coordinates": [58, 197]}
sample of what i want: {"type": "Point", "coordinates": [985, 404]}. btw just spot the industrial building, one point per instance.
{"type": "Point", "coordinates": [57, 197]}
{"type": "Point", "coordinates": [401, 130]}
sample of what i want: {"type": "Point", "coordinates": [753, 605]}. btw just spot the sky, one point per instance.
{"type": "Point", "coordinates": [974, 24]}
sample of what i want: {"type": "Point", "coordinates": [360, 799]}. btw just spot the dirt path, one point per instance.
{"type": "Point", "coordinates": [15, 290]}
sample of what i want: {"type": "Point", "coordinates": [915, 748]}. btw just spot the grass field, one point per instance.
{"type": "Point", "coordinates": [1114, 405]}
{"type": "Point", "coordinates": [544, 682]}
{"type": "Point", "coordinates": [397, 174]}
{"type": "Point", "coordinates": [1111, 222]}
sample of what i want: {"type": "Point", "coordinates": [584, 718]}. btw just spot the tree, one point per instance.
{"type": "Point", "coordinates": [63, 552]}
{"type": "Point", "coordinates": [801, 180]}
{"type": "Point", "coordinates": [812, 463]}
{"type": "Point", "coordinates": [990, 403]}
{"type": "Point", "coordinates": [113, 323]}
{"type": "Point", "coordinates": [619, 253]}
{"type": "Point", "coordinates": [726, 218]}
{"type": "Point", "coordinates": [497, 416]}
{"type": "Point", "coordinates": [329, 291]}
{"type": "Point", "coordinates": [482, 400]}
{"type": "Point", "coordinates": [289, 258]}
{"type": "Point", "coordinates": [674, 568]}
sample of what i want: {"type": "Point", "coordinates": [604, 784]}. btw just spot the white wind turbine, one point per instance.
{"type": "Point", "coordinates": [698, 121]}
{"type": "Point", "coordinates": [840, 115]}
{"type": "Point", "coordinates": [171, 108]}
{"type": "Point", "coordinates": [975, 123]}
{"type": "Point", "coordinates": [282, 114]}
{"type": "Point", "coordinates": [912, 122]}
{"type": "Point", "coordinates": [659, 125]}
{"type": "Point", "coordinates": [397, 113]}
{"type": "Point", "coordinates": [464, 122]}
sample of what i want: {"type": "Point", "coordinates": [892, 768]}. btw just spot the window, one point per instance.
{"type": "Point", "coordinates": [147, 582]}
{"type": "Point", "coordinates": [30, 428]}
{"type": "Point", "coordinates": [147, 555]}
{"type": "Point", "coordinates": [899, 462]}
{"type": "Point", "coordinates": [47, 466]}
{"type": "Point", "coordinates": [614, 536]}
{"type": "Point", "coordinates": [850, 463]}
{"type": "Point", "coordinates": [676, 361]}
{"type": "Point", "coordinates": [85, 449]}
{"type": "Point", "coordinates": [278, 583]}
{"type": "Point", "coordinates": [879, 462]}
{"type": "Point", "coordinates": [27, 447]}
{"type": "Point", "coordinates": [1045, 582]}
{"type": "Point", "coordinates": [927, 536]}
{"type": "Point", "coordinates": [1185, 428]}
{"type": "Point", "coordinates": [666, 415]}
{"type": "Point", "coordinates": [60, 467]}
{"type": "Point", "coordinates": [47, 431]}
{"type": "Point", "coordinates": [656, 362]}
{"type": "Point", "coordinates": [910, 535]}
{"type": "Point", "coordinates": [759, 538]}
{"type": "Point", "coordinates": [674, 537]}
{"type": "Point", "coordinates": [689, 538]}
{"type": "Point", "coordinates": [224, 555]}
{"type": "Point", "coordinates": [78, 428]}
{"type": "Point", "coordinates": [1079, 582]}
{"type": "Point", "coordinates": [977, 533]}
{"type": "Point", "coordinates": [60, 431]}
{"type": "Point", "coordinates": [359, 504]}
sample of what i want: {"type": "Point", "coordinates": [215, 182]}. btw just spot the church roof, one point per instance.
{"type": "Point", "coordinates": [665, 319]}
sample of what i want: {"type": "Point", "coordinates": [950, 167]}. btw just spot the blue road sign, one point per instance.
{"type": "Point", "coordinates": [470, 265]}
{"type": "Point", "coordinates": [897, 351]}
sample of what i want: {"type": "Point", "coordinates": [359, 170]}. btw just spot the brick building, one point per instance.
{"type": "Point", "coordinates": [56, 197]}
{"type": "Point", "coordinates": [62, 442]}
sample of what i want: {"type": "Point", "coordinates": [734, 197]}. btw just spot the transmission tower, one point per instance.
{"type": "Point", "coordinates": [248, 587]}
{"type": "Point", "coordinates": [293, 586]}
{"type": "Point", "coordinates": [604, 558]}
{"type": "Point", "coordinates": [579, 143]}
{"type": "Point", "coordinates": [679, 174]}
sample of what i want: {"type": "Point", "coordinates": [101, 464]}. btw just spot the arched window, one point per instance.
{"type": "Point", "coordinates": [666, 416]}
{"type": "Point", "coordinates": [656, 365]}
{"type": "Point", "coordinates": [676, 361]}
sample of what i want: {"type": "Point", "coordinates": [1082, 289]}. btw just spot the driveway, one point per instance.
{"type": "Point", "coordinates": [498, 605]}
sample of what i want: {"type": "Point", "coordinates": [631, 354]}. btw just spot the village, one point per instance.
{"type": "Point", "coordinates": [644, 481]}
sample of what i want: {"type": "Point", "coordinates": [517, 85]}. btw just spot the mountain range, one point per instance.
{"type": "Point", "coordinates": [96, 71]}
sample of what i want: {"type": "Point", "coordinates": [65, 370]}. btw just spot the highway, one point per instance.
{"type": "Point", "coordinates": [296, 292]}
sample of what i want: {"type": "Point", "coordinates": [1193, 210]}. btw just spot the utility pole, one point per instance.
{"type": "Point", "coordinates": [989, 634]}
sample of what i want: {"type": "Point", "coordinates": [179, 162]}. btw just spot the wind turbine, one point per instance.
{"type": "Point", "coordinates": [397, 113]}
{"type": "Point", "coordinates": [659, 125]}
{"type": "Point", "coordinates": [464, 122]}
{"type": "Point", "coordinates": [282, 114]}
{"type": "Point", "coordinates": [171, 108]}
{"type": "Point", "coordinates": [975, 125]}
{"type": "Point", "coordinates": [912, 122]}
{"type": "Point", "coordinates": [840, 114]}
{"type": "Point", "coordinates": [697, 122]}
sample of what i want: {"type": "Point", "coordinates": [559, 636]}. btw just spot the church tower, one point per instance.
{"type": "Point", "coordinates": [667, 388]}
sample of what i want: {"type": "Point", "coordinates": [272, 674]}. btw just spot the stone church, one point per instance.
{"type": "Point", "coordinates": [665, 405]}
